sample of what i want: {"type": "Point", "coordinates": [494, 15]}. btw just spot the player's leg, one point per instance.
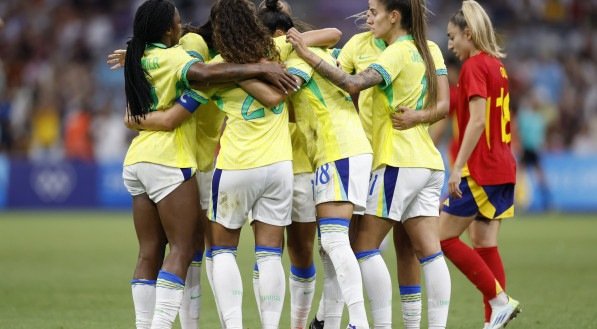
{"type": "Point", "coordinates": [341, 187]}
{"type": "Point", "coordinates": [271, 212]}
{"type": "Point", "coordinates": [376, 277]}
{"type": "Point", "coordinates": [456, 216]}
{"type": "Point", "coordinates": [483, 234]}
{"type": "Point", "coordinates": [179, 214]}
{"type": "Point", "coordinates": [300, 238]}
{"type": "Point", "coordinates": [409, 278]}
{"type": "Point", "coordinates": [191, 302]}
{"type": "Point", "coordinates": [152, 244]}
{"type": "Point", "coordinates": [232, 191]}
{"type": "Point", "coordinates": [416, 199]}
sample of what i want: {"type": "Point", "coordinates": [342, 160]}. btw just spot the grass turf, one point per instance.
{"type": "Point", "coordinates": [62, 270]}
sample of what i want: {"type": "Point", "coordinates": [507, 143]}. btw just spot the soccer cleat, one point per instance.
{"type": "Point", "coordinates": [486, 325]}
{"type": "Point", "coordinates": [316, 324]}
{"type": "Point", "coordinates": [350, 326]}
{"type": "Point", "coordinates": [502, 315]}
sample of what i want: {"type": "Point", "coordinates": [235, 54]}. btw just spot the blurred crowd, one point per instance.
{"type": "Point", "coordinates": [59, 99]}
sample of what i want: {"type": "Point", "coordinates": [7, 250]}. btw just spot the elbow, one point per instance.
{"type": "Point", "coordinates": [337, 34]}
{"type": "Point", "coordinates": [273, 100]}
{"type": "Point", "coordinates": [352, 89]}
{"type": "Point", "coordinates": [169, 124]}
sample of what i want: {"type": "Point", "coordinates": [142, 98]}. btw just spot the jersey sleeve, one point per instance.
{"type": "Point", "coordinates": [438, 59]}
{"type": "Point", "coordinates": [195, 45]}
{"type": "Point", "coordinates": [297, 66]}
{"type": "Point", "coordinates": [389, 64]}
{"type": "Point", "coordinates": [181, 62]}
{"type": "Point", "coordinates": [474, 80]}
{"type": "Point", "coordinates": [347, 55]}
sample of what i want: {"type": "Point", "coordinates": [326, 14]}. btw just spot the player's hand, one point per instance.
{"type": "Point", "coordinates": [454, 183]}
{"type": "Point", "coordinates": [276, 75]}
{"type": "Point", "coordinates": [294, 37]}
{"type": "Point", "coordinates": [404, 118]}
{"type": "Point", "coordinates": [116, 59]}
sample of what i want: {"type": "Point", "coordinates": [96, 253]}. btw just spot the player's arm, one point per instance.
{"type": "Point", "coordinates": [202, 75]}
{"type": "Point", "coordinates": [350, 83]}
{"type": "Point", "coordinates": [327, 37]}
{"type": "Point", "coordinates": [167, 120]}
{"type": "Point", "coordinates": [263, 92]}
{"type": "Point", "coordinates": [271, 72]}
{"type": "Point", "coordinates": [472, 133]}
{"type": "Point", "coordinates": [406, 118]}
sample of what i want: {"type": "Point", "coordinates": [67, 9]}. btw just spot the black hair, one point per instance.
{"type": "Point", "coordinates": [274, 18]}
{"type": "Point", "coordinates": [205, 31]}
{"type": "Point", "coordinates": [152, 20]}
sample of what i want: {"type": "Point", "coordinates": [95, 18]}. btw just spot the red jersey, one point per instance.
{"type": "Point", "coordinates": [453, 147]}
{"type": "Point", "coordinates": [492, 161]}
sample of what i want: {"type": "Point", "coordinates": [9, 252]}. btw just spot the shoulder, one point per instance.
{"type": "Point", "coordinates": [192, 38]}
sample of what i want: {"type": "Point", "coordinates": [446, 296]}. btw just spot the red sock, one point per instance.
{"type": "Point", "coordinates": [491, 256]}
{"type": "Point", "coordinates": [472, 266]}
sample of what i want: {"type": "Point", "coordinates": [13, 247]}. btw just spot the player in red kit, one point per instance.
{"type": "Point", "coordinates": [481, 184]}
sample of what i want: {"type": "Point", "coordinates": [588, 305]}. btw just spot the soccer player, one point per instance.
{"type": "Point", "coordinates": [357, 54]}
{"type": "Point", "coordinates": [301, 233]}
{"type": "Point", "coordinates": [484, 172]}
{"type": "Point", "coordinates": [408, 170]}
{"type": "Point", "coordinates": [159, 165]}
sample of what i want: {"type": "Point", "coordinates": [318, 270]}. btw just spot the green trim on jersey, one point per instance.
{"type": "Point", "coordinates": [312, 85]}
{"type": "Point", "coordinates": [183, 75]}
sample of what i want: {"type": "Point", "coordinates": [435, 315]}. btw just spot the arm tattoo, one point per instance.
{"type": "Point", "coordinates": [350, 83]}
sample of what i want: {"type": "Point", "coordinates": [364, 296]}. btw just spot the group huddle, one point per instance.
{"type": "Point", "coordinates": [256, 116]}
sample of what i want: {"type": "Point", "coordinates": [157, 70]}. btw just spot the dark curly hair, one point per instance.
{"type": "Point", "coordinates": [238, 34]}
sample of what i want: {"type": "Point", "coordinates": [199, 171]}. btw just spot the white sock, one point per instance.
{"type": "Point", "coordinates": [272, 285]}
{"type": "Point", "coordinates": [410, 298]}
{"type": "Point", "coordinates": [168, 297]}
{"type": "Point", "coordinates": [256, 289]}
{"type": "Point", "coordinates": [191, 300]}
{"type": "Point", "coordinates": [320, 315]}
{"type": "Point", "coordinates": [438, 289]}
{"type": "Point", "coordinates": [302, 288]}
{"type": "Point", "coordinates": [334, 240]}
{"type": "Point", "coordinates": [144, 301]}
{"type": "Point", "coordinates": [209, 267]}
{"type": "Point", "coordinates": [228, 286]}
{"type": "Point", "coordinates": [333, 304]}
{"type": "Point", "coordinates": [378, 286]}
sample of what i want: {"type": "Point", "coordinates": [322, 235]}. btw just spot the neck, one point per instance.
{"type": "Point", "coordinates": [393, 35]}
{"type": "Point", "coordinates": [475, 52]}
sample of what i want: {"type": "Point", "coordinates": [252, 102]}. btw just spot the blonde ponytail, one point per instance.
{"type": "Point", "coordinates": [482, 31]}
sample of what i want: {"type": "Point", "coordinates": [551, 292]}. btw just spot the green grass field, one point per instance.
{"type": "Point", "coordinates": [62, 270]}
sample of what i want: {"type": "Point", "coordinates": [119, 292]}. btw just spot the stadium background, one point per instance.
{"type": "Point", "coordinates": [62, 142]}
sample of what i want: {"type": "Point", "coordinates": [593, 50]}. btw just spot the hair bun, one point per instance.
{"type": "Point", "coordinates": [272, 5]}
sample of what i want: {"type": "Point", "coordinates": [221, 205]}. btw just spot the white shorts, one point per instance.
{"type": "Point", "coordinates": [156, 180]}
{"type": "Point", "coordinates": [344, 180]}
{"type": "Point", "coordinates": [204, 184]}
{"type": "Point", "coordinates": [266, 191]}
{"type": "Point", "coordinates": [303, 204]}
{"type": "Point", "coordinates": [403, 193]}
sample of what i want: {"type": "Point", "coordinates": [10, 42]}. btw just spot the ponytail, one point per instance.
{"type": "Point", "coordinates": [419, 33]}
{"type": "Point", "coordinates": [152, 20]}
{"type": "Point", "coordinates": [136, 85]}
{"type": "Point", "coordinates": [473, 16]}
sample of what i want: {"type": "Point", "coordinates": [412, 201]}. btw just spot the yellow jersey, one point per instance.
{"type": "Point", "coordinates": [255, 136]}
{"type": "Point", "coordinates": [356, 55]}
{"type": "Point", "coordinates": [301, 133]}
{"type": "Point", "coordinates": [209, 120]}
{"type": "Point", "coordinates": [404, 84]}
{"type": "Point", "coordinates": [338, 130]}
{"type": "Point", "coordinates": [167, 68]}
